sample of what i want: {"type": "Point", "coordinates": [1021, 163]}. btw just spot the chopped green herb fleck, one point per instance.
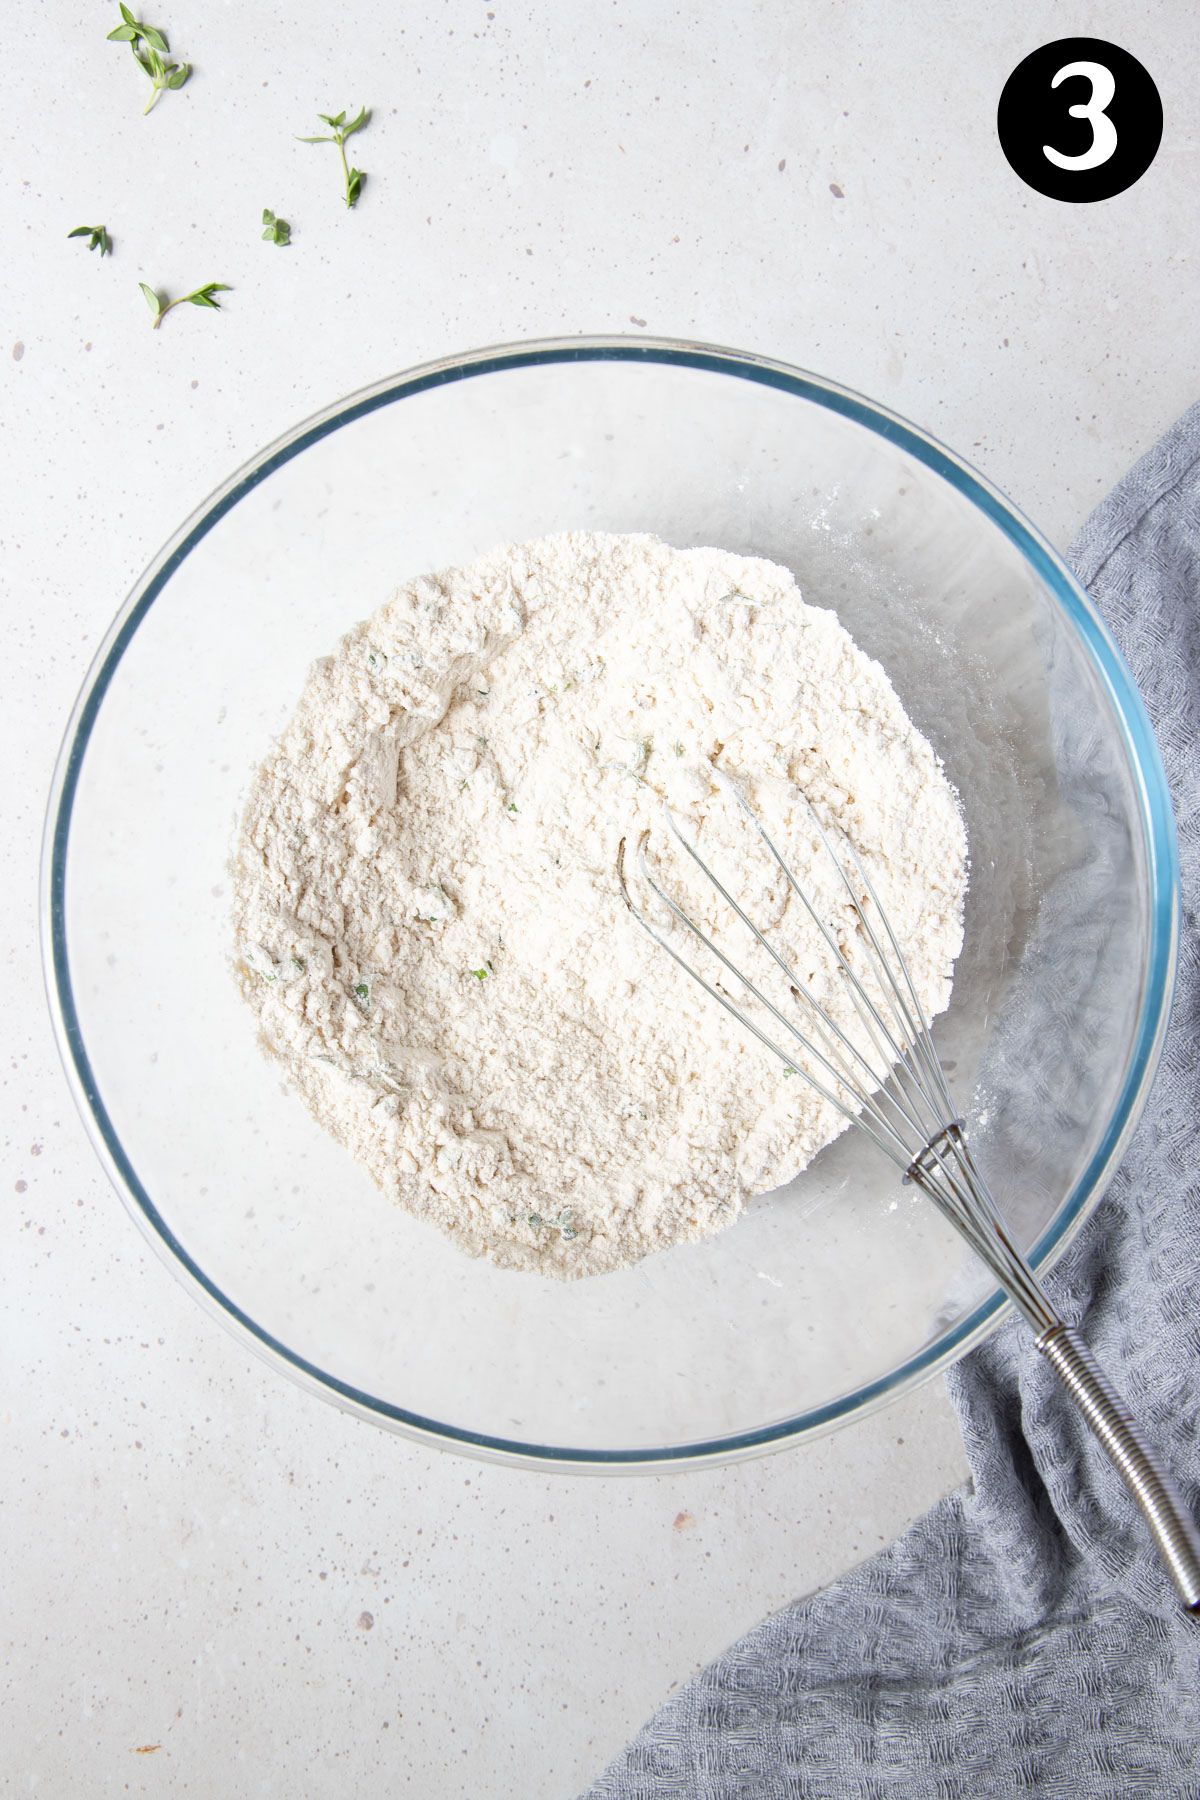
{"type": "Point", "coordinates": [339, 131]}
{"type": "Point", "coordinates": [678, 748]}
{"type": "Point", "coordinates": [202, 296]}
{"type": "Point", "coordinates": [511, 806]}
{"type": "Point", "coordinates": [562, 1224]}
{"type": "Point", "coordinates": [482, 974]}
{"type": "Point", "coordinates": [275, 231]}
{"type": "Point", "coordinates": [362, 990]}
{"type": "Point", "coordinates": [97, 236]}
{"type": "Point", "coordinates": [260, 962]}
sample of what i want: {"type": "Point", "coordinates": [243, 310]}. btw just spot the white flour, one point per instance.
{"type": "Point", "coordinates": [428, 920]}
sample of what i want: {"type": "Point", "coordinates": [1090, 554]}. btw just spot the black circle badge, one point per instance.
{"type": "Point", "coordinates": [1080, 120]}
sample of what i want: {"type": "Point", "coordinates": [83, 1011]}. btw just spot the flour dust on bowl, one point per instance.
{"type": "Point", "coordinates": [737, 1342]}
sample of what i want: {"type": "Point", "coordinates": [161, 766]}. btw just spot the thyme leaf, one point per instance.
{"type": "Point", "coordinates": [97, 236]}
{"type": "Point", "coordinates": [275, 231]}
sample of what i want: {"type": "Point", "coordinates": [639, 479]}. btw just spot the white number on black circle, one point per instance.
{"type": "Point", "coordinates": [1104, 132]}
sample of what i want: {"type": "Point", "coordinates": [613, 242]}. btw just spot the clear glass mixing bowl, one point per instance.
{"type": "Point", "coordinates": [825, 1298]}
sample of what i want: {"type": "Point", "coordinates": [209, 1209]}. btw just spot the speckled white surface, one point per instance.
{"type": "Point", "coordinates": [213, 1584]}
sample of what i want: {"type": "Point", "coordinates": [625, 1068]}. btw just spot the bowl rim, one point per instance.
{"type": "Point", "coordinates": [1154, 808]}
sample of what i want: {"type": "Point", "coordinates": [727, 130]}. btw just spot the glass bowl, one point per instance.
{"type": "Point", "coordinates": [823, 1300]}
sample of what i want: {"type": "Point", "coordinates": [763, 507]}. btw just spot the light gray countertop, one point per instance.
{"type": "Point", "coordinates": [213, 1584]}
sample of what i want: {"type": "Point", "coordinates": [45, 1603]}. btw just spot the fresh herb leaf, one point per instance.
{"type": "Point", "coordinates": [130, 30]}
{"type": "Point", "coordinates": [202, 296]}
{"type": "Point", "coordinates": [482, 974]}
{"type": "Point", "coordinates": [150, 49]}
{"type": "Point", "coordinates": [164, 75]}
{"type": "Point", "coordinates": [340, 130]}
{"type": "Point", "coordinates": [276, 231]}
{"type": "Point", "coordinates": [97, 236]}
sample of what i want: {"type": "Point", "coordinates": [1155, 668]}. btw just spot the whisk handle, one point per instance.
{"type": "Point", "coordinates": [1172, 1527]}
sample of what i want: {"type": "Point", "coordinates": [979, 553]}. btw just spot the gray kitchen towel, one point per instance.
{"type": "Point", "coordinates": [1021, 1639]}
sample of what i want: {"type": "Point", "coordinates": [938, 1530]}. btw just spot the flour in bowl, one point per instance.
{"type": "Point", "coordinates": [429, 925]}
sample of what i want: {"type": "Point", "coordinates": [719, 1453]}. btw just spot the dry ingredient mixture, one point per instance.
{"type": "Point", "coordinates": [428, 920]}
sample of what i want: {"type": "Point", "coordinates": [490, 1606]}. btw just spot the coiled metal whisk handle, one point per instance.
{"type": "Point", "coordinates": [1170, 1524]}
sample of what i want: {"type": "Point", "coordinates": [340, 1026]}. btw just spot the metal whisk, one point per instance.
{"type": "Point", "coordinates": [897, 1093]}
